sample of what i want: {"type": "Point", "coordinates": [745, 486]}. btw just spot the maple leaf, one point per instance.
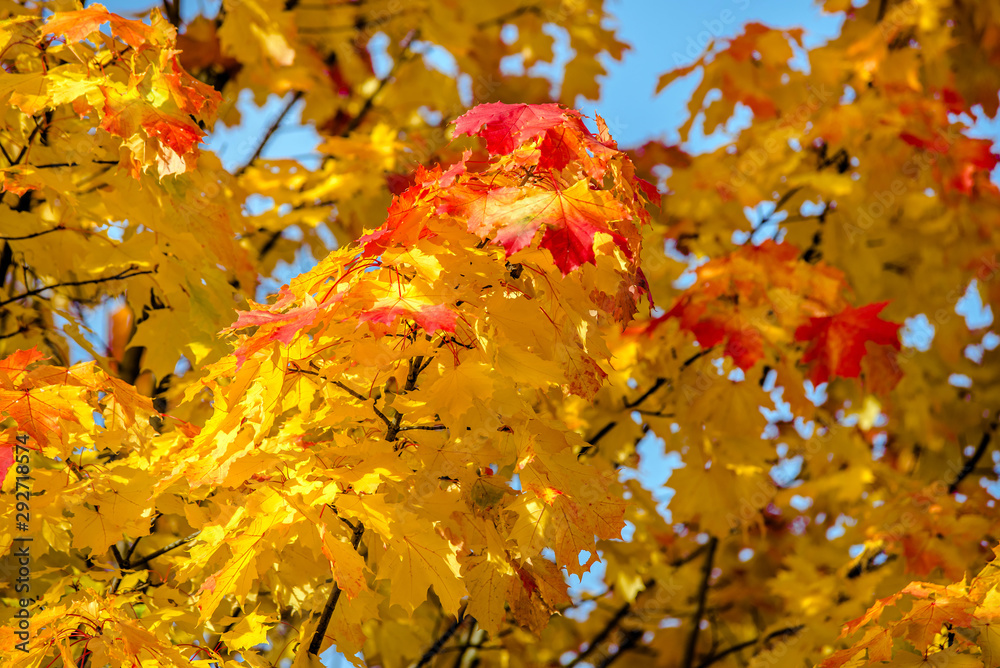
{"type": "Point", "coordinates": [507, 126]}
{"type": "Point", "coordinates": [837, 342]}
{"type": "Point", "coordinates": [77, 25]}
{"type": "Point", "coordinates": [572, 218]}
{"type": "Point", "coordinates": [745, 300]}
{"type": "Point", "coordinates": [14, 367]}
{"type": "Point", "coordinates": [430, 317]}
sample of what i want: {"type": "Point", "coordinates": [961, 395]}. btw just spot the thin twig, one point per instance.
{"type": "Point", "coordinates": [791, 630]}
{"type": "Point", "coordinates": [369, 102]}
{"type": "Point", "coordinates": [131, 549]}
{"type": "Point", "coordinates": [270, 132]}
{"type": "Point", "coordinates": [354, 393]}
{"type": "Point", "coordinates": [120, 276]}
{"type": "Point", "coordinates": [466, 646]}
{"type": "Point", "coordinates": [434, 649]}
{"type": "Point", "coordinates": [512, 14]}
{"type": "Point", "coordinates": [53, 165]}
{"type": "Point", "coordinates": [163, 550]}
{"type": "Point", "coordinates": [970, 463]}
{"type": "Point", "coordinates": [331, 603]}
{"type": "Point", "coordinates": [706, 576]}
{"type": "Point", "coordinates": [33, 234]}
{"type": "Point", "coordinates": [24, 149]}
{"type": "Point", "coordinates": [645, 395]}
{"type": "Point", "coordinates": [610, 626]}
{"type": "Point", "coordinates": [632, 637]}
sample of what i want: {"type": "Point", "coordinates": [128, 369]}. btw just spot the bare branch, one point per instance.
{"type": "Point", "coordinates": [331, 603]}
{"type": "Point", "coordinates": [791, 630]}
{"type": "Point", "coordinates": [610, 626]}
{"type": "Point", "coordinates": [34, 234]}
{"type": "Point", "coordinates": [369, 102]}
{"type": "Point", "coordinates": [163, 550]}
{"type": "Point", "coordinates": [632, 637]}
{"type": "Point", "coordinates": [602, 635]}
{"type": "Point", "coordinates": [442, 639]}
{"type": "Point", "coordinates": [970, 463]}
{"type": "Point", "coordinates": [512, 14]}
{"type": "Point", "coordinates": [270, 132]}
{"type": "Point", "coordinates": [706, 575]}
{"type": "Point", "coordinates": [120, 276]}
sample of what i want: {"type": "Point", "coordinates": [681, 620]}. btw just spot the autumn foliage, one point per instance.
{"type": "Point", "coordinates": [446, 441]}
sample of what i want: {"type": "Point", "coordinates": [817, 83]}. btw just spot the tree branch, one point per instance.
{"type": "Point", "coordinates": [357, 395]}
{"type": "Point", "coordinates": [970, 463]}
{"type": "Point", "coordinates": [611, 625]}
{"type": "Point", "coordinates": [424, 427]}
{"type": "Point", "coordinates": [645, 395]}
{"type": "Point", "coordinates": [791, 630]}
{"type": "Point", "coordinates": [24, 149]}
{"type": "Point", "coordinates": [163, 550]}
{"type": "Point", "coordinates": [632, 637]}
{"type": "Point", "coordinates": [411, 384]}
{"type": "Point", "coordinates": [706, 575]}
{"type": "Point", "coordinates": [434, 649]}
{"type": "Point", "coordinates": [602, 433]}
{"type": "Point", "coordinates": [331, 603]}
{"type": "Point", "coordinates": [369, 102]}
{"type": "Point", "coordinates": [19, 330]}
{"type": "Point", "coordinates": [34, 234]}
{"type": "Point", "coordinates": [120, 276]}
{"type": "Point", "coordinates": [466, 646]}
{"type": "Point", "coordinates": [53, 165]}
{"type": "Point", "coordinates": [270, 132]}
{"type": "Point", "coordinates": [131, 549]}
{"type": "Point", "coordinates": [512, 14]}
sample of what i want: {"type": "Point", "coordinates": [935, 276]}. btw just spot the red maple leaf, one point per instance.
{"type": "Point", "coordinates": [429, 318]}
{"type": "Point", "coordinates": [181, 137]}
{"type": "Point", "coordinates": [733, 292]}
{"type": "Point", "coordinates": [507, 126]}
{"type": "Point", "coordinates": [837, 342]}
{"type": "Point", "coordinates": [572, 216]}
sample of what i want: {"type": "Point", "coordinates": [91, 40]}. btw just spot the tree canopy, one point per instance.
{"type": "Point", "coordinates": [434, 447]}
